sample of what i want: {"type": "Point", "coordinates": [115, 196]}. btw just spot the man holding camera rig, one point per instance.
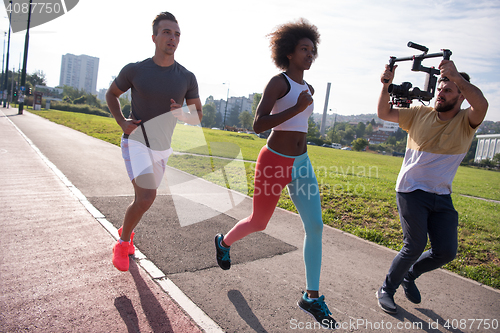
{"type": "Point", "coordinates": [438, 139]}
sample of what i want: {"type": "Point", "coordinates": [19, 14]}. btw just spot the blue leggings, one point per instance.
{"type": "Point", "coordinates": [273, 172]}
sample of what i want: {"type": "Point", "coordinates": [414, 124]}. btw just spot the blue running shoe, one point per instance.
{"type": "Point", "coordinates": [222, 253]}
{"type": "Point", "coordinates": [318, 309]}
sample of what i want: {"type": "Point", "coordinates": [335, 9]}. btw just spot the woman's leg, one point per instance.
{"type": "Point", "coordinates": [272, 173]}
{"type": "Point", "coordinates": [304, 191]}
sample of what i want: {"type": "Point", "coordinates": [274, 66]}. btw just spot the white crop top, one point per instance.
{"type": "Point", "coordinates": [298, 123]}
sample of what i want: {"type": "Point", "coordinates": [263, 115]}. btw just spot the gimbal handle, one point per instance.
{"type": "Point", "coordinates": [445, 54]}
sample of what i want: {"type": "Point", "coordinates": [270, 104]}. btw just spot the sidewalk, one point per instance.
{"type": "Point", "coordinates": [258, 294]}
{"type": "Point", "coordinates": [55, 267]}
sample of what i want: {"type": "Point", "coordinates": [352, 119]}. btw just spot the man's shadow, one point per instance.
{"type": "Point", "coordinates": [155, 314]}
{"type": "Point", "coordinates": [438, 322]}
{"type": "Point", "coordinates": [126, 309]}
{"type": "Point", "coordinates": [245, 311]}
{"type": "Point", "coordinates": [418, 323]}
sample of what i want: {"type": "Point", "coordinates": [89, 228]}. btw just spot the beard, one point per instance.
{"type": "Point", "coordinates": [446, 106]}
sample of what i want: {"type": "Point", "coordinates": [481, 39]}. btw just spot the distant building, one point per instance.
{"type": "Point", "coordinates": [101, 94]}
{"type": "Point", "coordinates": [488, 145]}
{"type": "Point", "coordinates": [79, 72]}
{"type": "Point", "coordinates": [389, 126]}
{"type": "Point", "coordinates": [243, 103]}
{"type": "Point", "coordinates": [381, 134]}
{"type": "Point", "coordinates": [379, 137]}
{"type": "Point", "coordinates": [219, 104]}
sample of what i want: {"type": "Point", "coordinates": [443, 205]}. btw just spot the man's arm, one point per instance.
{"type": "Point", "coordinates": [479, 104]}
{"type": "Point", "coordinates": [195, 111]}
{"type": "Point", "coordinates": [113, 101]}
{"type": "Point", "coordinates": [384, 110]}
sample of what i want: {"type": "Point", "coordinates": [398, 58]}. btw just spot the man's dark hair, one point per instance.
{"type": "Point", "coordinates": [286, 37]}
{"type": "Point", "coordinates": [160, 17]}
{"type": "Point", "coordinates": [464, 75]}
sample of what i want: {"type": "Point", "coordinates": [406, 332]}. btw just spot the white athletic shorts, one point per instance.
{"type": "Point", "coordinates": [141, 160]}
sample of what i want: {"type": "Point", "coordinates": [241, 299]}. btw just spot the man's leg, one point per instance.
{"type": "Point", "coordinates": [443, 235]}
{"type": "Point", "coordinates": [145, 169]}
{"type": "Point", "coordinates": [144, 198]}
{"type": "Point", "coordinates": [413, 212]}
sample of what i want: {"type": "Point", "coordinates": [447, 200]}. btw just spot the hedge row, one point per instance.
{"type": "Point", "coordinates": [80, 108]}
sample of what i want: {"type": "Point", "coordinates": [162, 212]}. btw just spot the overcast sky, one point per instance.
{"type": "Point", "coordinates": [225, 42]}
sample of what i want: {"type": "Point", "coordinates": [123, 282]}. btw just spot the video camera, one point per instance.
{"type": "Point", "coordinates": [402, 95]}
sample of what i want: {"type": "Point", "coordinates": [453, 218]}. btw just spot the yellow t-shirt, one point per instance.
{"type": "Point", "coordinates": [434, 149]}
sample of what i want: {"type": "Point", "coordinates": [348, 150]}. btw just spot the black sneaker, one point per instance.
{"type": "Point", "coordinates": [411, 291]}
{"type": "Point", "coordinates": [222, 253]}
{"type": "Point", "coordinates": [318, 309]}
{"type": "Point", "coordinates": [386, 301]}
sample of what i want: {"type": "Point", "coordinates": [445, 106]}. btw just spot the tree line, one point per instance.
{"type": "Point", "coordinates": [14, 81]}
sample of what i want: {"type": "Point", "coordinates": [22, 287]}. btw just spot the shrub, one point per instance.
{"type": "Point", "coordinates": [359, 144]}
{"type": "Point", "coordinates": [82, 108]}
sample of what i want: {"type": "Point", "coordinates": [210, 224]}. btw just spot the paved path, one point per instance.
{"type": "Point", "coordinates": [56, 255]}
{"type": "Point", "coordinates": [55, 265]}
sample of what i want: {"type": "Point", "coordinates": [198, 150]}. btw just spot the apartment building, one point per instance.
{"type": "Point", "coordinates": [79, 72]}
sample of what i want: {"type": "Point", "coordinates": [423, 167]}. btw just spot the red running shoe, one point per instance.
{"type": "Point", "coordinates": [131, 249]}
{"type": "Point", "coordinates": [120, 255]}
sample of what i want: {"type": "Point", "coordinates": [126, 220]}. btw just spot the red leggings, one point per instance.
{"type": "Point", "coordinates": [273, 172]}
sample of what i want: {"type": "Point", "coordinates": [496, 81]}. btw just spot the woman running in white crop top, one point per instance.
{"type": "Point", "coordinates": [285, 107]}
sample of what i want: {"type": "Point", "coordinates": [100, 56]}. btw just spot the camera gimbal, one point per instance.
{"type": "Point", "coordinates": [402, 95]}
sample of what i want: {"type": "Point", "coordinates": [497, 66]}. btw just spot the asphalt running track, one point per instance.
{"type": "Point", "coordinates": [260, 291]}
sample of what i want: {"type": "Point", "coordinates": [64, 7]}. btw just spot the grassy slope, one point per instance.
{"type": "Point", "coordinates": [357, 188]}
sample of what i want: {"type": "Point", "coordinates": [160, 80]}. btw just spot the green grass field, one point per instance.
{"type": "Point", "coordinates": [357, 188]}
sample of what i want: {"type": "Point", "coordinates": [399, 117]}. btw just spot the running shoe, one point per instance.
{"type": "Point", "coordinates": [222, 253]}
{"type": "Point", "coordinates": [318, 309]}
{"type": "Point", "coordinates": [411, 291]}
{"type": "Point", "coordinates": [131, 248]}
{"type": "Point", "coordinates": [386, 301]}
{"type": "Point", "coordinates": [120, 255]}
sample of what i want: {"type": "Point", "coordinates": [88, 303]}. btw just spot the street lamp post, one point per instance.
{"type": "Point", "coordinates": [334, 121]}
{"type": "Point", "coordinates": [25, 61]}
{"type": "Point", "coordinates": [227, 102]}
{"type": "Point", "coordinates": [7, 63]}
{"type": "Point", "coordinates": [3, 58]}
{"type": "Point", "coordinates": [12, 86]}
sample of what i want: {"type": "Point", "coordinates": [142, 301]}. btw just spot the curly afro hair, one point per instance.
{"type": "Point", "coordinates": [286, 37]}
